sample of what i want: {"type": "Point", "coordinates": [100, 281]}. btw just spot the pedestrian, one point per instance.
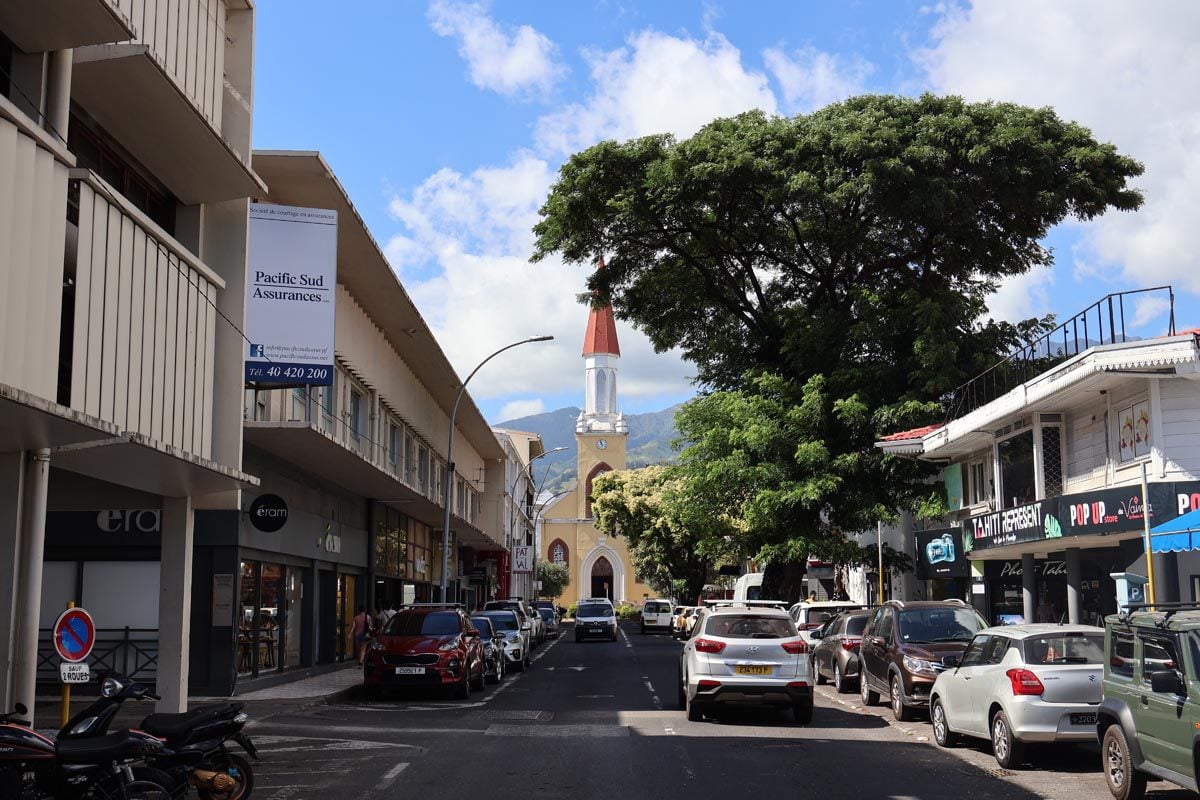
{"type": "Point", "coordinates": [361, 627]}
{"type": "Point", "coordinates": [812, 597]}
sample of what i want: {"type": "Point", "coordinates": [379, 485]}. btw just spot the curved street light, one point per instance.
{"type": "Point", "coordinates": [512, 517]}
{"type": "Point", "coordinates": [450, 458]}
{"type": "Point", "coordinates": [540, 508]}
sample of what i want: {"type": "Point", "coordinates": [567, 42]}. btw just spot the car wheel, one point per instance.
{"type": "Point", "coordinates": [818, 678]}
{"type": "Point", "coordinates": [802, 710]}
{"type": "Point", "coordinates": [868, 697]}
{"type": "Point", "coordinates": [493, 675]}
{"type": "Point", "coordinates": [840, 683]}
{"type": "Point", "coordinates": [901, 712]}
{"type": "Point", "coordinates": [1124, 780]}
{"type": "Point", "coordinates": [1005, 747]}
{"type": "Point", "coordinates": [462, 690]}
{"type": "Point", "coordinates": [695, 711]}
{"type": "Point", "coordinates": [519, 666]}
{"type": "Point", "coordinates": [941, 729]}
{"type": "Point", "coordinates": [477, 683]}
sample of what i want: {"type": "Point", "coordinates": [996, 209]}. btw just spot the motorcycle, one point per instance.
{"type": "Point", "coordinates": [197, 753]}
{"type": "Point", "coordinates": [108, 767]}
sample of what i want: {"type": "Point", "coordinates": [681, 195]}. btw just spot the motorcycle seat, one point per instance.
{"type": "Point", "coordinates": [92, 750]}
{"type": "Point", "coordinates": [177, 726]}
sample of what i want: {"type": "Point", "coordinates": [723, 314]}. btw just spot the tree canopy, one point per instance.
{"type": "Point", "coordinates": [554, 577]}
{"type": "Point", "coordinates": [827, 274]}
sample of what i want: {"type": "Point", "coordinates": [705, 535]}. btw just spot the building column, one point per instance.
{"type": "Point", "coordinates": [12, 496]}
{"type": "Point", "coordinates": [1074, 593]}
{"type": "Point", "coordinates": [29, 591]}
{"type": "Point", "coordinates": [1029, 586]}
{"type": "Point", "coordinates": [175, 603]}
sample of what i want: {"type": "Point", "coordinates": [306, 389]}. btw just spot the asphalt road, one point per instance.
{"type": "Point", "coordinates": [599, 720]}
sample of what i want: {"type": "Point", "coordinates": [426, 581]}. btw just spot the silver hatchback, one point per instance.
{"type": "Point", "coordinates": [1022, 683]}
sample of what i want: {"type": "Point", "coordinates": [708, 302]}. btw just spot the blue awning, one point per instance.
{"type": "Point", "coordinates": [1178, 535]}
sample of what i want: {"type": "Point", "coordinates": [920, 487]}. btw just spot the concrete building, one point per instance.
{"type": "Point", "coordinates": [124, 185]}
{"type": "Point", "coordinates": [513, 513]}
{"type": "Point", "coordinates": [1043, 462]}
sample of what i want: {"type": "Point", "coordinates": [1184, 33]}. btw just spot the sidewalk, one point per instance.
{"type": "Point", "coordinates": [325, 685]}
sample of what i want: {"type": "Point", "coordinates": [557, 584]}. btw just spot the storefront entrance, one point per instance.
{"type": "Point", "coordinates": [270, 616]}
{"type": "Point", "coordinates": [1004, 580]}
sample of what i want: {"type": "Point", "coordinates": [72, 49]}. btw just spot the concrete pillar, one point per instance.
{"type": "Point", "coordinates": [1029, 586]}
{"type": "Point", "coordinates": [1074, 592]}
{"type": "Point", "coordinates": [12, 496]}
{"type": "Point", "coordinates": [175, 603]}
{"type": "Point", "coordinates": [58, 90]}
{"type": "Point", "coordinates": [29, 591]}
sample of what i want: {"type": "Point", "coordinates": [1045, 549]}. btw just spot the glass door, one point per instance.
{"type": "Point", "coordinates": [293, 588]}
{"type": "Point", "coordinates": [247, 618]}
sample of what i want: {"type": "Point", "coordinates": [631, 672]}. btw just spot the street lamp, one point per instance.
{"type": "Point", "coordinates": [541, 507]}
{"type": "Point", "coordinates": [450, 457]}
{"type": "Point", "coordinates": [512, 517]}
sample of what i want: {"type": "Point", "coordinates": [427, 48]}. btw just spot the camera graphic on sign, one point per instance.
{"type": "Point", "coordinates": [940, 550]}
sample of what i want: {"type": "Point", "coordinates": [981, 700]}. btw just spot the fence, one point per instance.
{"type": "Point", "coordinates": [132, 652]}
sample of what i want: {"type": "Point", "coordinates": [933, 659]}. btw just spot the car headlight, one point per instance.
{"type": "Point", "coordinates": [377, 647]}
{"type": "Point", "coordinates": [514, 638]}
{"type": "Point", "coordinates": [921, 666]}
{"type": "Point", "coordinates": [241, 718]}
{"type": "Point", "coordinates": [111, 687]}
{"type": "Point", "coordinates": [446, 647]}
{"type": "Point", "coordinates": [453, 663]}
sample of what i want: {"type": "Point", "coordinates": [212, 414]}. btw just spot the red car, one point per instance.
{"type": "Point", "coordinates": [433, 646]}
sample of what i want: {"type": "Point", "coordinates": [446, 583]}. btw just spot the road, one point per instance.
{"type": "Point", "coordinates": [599, 720]}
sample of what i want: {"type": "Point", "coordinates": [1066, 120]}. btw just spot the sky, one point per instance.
{"type": "Point", "coordinates": [447, 121]}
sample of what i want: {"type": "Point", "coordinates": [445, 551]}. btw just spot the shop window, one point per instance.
{"type": "Point", "coordinates": [1052, 460]}
{"type": "Point", "coordinates": [422, 469]}
{"type": "Point", "coordinates": [1016, 469]}
{"type": "Point", "coordinates": [1133, 431]}
{"type": "Point", "coordinates": [356, 413]}
{"type": "Point", "coordinates": [394, 447]}
{"type": "Point", "coordinates": [979, 482]}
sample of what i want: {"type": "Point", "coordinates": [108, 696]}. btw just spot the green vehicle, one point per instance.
{"type": "Point", "coordinates": [1148, 723]}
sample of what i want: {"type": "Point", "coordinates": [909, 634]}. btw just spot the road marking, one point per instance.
{"type": "Point", "coordinates": [628, 643]}
{"type": "Point", "coordinates": [593, 696]}
{"type": "Point", "coordinates": [559, 731]}
{"type": "Point", "coordinates": [314, 744]}
{"type": "Point", "coordinates": [390, 776]}
{"type": "Point", "coordinates": [378, 729]}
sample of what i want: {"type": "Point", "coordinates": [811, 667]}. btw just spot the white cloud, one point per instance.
{"type": "Point", "coordinates": [1022, 297]}
{"type": "Point", "coordinates": [510, 61]}
{"type": "Point", "coordinates": [1127, 71]}
{"type": "Point", "coordinates": [1152, 310]}
{"type": "Point", "coordinates": [515, 409]}
{"type": "Point", "coordinates": [656, 84]}
{"type": "Point", "coordinates": [812, 78]}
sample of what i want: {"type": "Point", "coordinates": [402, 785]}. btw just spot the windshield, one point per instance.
{"type": "Point", "coordinates": [937, 624]}
{"type": "Point", "coordinates": [750, 626]}
{"type": "Point", "coordinates": [1065, 648]}
{"type": "Point", "coordinates": [547, 614]}
{"type": "Point", "coordinates": [595, 610]}
{"type": "Point", "coordinates": [439, 623]}
{"type": "Point", "coordinates": [656, 608]}
{"type": "Point", "coordinates": [856, 625]}
{"type": "Point", "coordinates": [504, 620]}
{"type": "Point", "coordinates": [484, 625]}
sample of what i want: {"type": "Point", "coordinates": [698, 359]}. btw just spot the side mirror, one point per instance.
{"type": "Point", "coordinates": [950, 661]}
{"type": "Point", "coordinates": [526, 626]}
{"type": "Point", "coordinates": [817, 634]}
{"type": "Point", "coordinates": [474, 632]}
{"type": "Point", "coordinates": [21, 709]}
{"type": "Point", "coordinates": [1167, 681]}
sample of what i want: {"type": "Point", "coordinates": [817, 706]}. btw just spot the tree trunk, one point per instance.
{"type": "Point", "coordinates": [784, 581]}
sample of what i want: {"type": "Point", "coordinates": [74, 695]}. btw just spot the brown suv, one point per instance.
{"type": "Point", "coordinates": [903, 648]}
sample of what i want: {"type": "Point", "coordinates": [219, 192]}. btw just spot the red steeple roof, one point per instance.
{"type": "Point", "coordinates": [601, 336]}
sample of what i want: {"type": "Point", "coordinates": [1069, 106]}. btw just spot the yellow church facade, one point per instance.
{"type": "Point", "coordinates": [599, 565]}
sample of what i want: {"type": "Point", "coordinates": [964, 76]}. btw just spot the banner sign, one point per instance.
{"type": "Point", "coordinates": [1026, 523]}
{"type": "Point", "coordinates": [291, 289]}
{"type": "Point", "coordinates": [522, 559]}
{"type": "Point", "coordinates": [940, 554]}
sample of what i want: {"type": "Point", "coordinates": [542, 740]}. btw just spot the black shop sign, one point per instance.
{"type": "Point", "coordinates": [1031, 522]}
{"type": "Point", "coordinates": [269, 513]}
{"type": "Point", "coordinates": [940, 554]}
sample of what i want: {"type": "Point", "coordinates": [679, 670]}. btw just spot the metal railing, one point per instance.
{"type": "Point", "coordinates": [128, 651]}
{"type": "Point", "coordinates": [1107, 321]}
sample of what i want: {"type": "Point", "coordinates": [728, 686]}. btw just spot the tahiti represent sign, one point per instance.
{"type": "Point", "coordinates": [291, 290]}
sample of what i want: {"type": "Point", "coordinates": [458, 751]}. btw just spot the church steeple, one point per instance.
{"type": "Point", "coordinates": [601, 352]}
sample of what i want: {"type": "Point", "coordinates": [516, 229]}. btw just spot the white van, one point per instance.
{"type": "Point", "coordinates": [656, 615]}
{"type": "Point", "coordinates": [748, 587]}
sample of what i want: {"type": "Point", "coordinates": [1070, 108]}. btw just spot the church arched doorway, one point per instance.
{"type": "Point", "coordinates": [602, 578]}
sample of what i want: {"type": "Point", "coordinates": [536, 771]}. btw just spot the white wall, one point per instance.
{"type": "Point", "coordinates": [1087, 447]}
{"type": "Point", "coordinates": [1180, 415]}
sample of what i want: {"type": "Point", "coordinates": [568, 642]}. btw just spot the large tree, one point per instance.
{"type": "Point", "coordinates": [674, 535]}
{"type": "Point", "coordinates": [830, 271]}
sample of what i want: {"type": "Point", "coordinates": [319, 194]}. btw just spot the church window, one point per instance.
{"type": "Point", "coordinates": [602, 406]}
{"type": "Point", "coordinates": [596, 472]}
{"type": "Point", "coordinates": [559, 554]}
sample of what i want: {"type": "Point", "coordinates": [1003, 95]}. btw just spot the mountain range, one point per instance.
{"type": "Point", "coordinates": [650, 437]}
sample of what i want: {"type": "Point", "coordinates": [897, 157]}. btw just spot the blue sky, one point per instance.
{"type": "Point", "coordinates": [447, 120]}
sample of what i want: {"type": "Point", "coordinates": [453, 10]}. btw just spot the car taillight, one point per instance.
{"type": "Point", "coordinates": [709, 646]}
{"type": "Point", "coordinates": [850, 644]}
{"type": "Point", "coordinates": [707, 684]}
{"type": "Point", "coordinates": [797, 647]}
{"type": "Point", "coordinates": [1025, 682]}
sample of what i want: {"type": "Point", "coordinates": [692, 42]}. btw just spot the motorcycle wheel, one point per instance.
{"type": "Point", "coordinates": [235, 767]}
{"type": "Point", "coordinates": [176, 787]}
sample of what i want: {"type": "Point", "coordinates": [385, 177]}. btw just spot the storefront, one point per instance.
{"type": "Point", "coordinates": [940, 559]}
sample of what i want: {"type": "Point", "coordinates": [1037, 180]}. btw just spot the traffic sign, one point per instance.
{"type": "Point", "coordinates": [74, 634]}
{"type": "Point", "coordinates": [71, 672]}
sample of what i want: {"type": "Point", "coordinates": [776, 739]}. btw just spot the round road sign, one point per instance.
{"type": "Point", "coordinates": [74, 634]}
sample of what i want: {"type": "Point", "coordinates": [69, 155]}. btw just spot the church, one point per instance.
{"type": "Point", "coordinates": [600, 565]}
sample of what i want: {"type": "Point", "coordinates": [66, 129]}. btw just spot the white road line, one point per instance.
{"type": "Point", "coordinates": [628, 643]}
{"type": "Point", "coordinates": [390, 776]}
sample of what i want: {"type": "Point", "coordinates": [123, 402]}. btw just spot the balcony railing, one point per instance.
{"type": "Point", "coordinates": [1107, 321]}
{"type": "Point", "coordinates": [144, 319]}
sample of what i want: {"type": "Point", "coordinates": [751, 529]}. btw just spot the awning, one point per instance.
{"type": "Point", "coordinates": [141, 463]}
{"type": "Point", "coordinates": [29, 422]}
{"type": "Point", "coordinates": [1178, 535]}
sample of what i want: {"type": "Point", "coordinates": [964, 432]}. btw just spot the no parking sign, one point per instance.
{"type": "Point", "coordinates": [74, 634]}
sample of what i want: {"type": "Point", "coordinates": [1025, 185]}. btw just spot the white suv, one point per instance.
{"type": "Point", "coordinates": [595, 618]}
{"type": "Point", "coordinates": [743, 652]}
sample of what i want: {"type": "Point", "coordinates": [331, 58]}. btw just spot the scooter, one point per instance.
{"type": "Point", "coordinates": [108, 767]}
{"type": "Point", "coordinates": [198, 754]}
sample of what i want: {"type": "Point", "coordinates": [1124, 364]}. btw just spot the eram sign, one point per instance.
{"type": "Point", "coordinates": [290, 295]}
{"type": "Point", "coordinates": [268, 513]}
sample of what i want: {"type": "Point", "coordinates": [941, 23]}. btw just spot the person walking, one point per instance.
{"type": "Point", "coordinates": [361, 628]}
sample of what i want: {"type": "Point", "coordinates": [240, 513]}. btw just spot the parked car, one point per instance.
{"type": "Point", "coordinates": [550, 620]}
{"type": "Point", "coordinates": [434, 646]}
{"type": "Point", "coordinates": [811, 616]}
{"type": "Point", "coordinates": [596, 618]}
{"type": "Point", "coordinates": [493, 648]}
{"type": "Point", "coordinates": [679, 622]}
{"type": "Point", "coordinates": [526, 615]}
{"type": "Point", "coordinates": [835, 649]}
{"type": "Point", "coordinates": [904, 648]}
{"type": "Point", "coordinates": [507, 622]}
{"type": "Point", "coordinates": [656, 615]}
{"type": "Point", "coordinates": [1021, 683]}
{"type": "Point", "coordinates": [1147, 721]}
{"type": "Point", "coordinates": [743, 653]}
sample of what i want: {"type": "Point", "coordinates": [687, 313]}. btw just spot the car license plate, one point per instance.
{"type": "Point", "coordinates": [749, 669]}
{"type": "Point", "coordinates": [595, 630]}
{"type": "Point", "coordinates": [410, 670]}
{"type": "Point", "coordinates": [1083, 719]}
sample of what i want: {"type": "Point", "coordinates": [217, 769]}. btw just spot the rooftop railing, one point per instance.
{"type": "Point", "coordinates": [1107, 321]}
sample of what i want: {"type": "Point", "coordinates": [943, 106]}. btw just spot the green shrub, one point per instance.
{"type": "Point", "coordinates": [628, 612]}
{"type": "Point", "coordinates": [571, 609]}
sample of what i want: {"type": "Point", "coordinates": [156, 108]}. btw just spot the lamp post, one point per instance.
{"type": "Point", "coordinates": [450, 458]}
{"type": "Point", "coordinates": [512, 517]}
